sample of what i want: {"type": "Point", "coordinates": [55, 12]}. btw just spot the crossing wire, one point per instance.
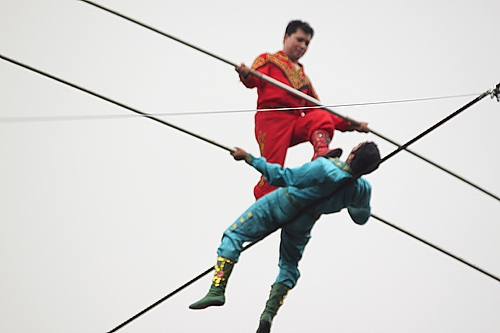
{"type": "Point", "coordinates": [399, 149]}
{"type": "Point", "coordinates": [113, 102]}
{"type": "Point", "coordinates": [246, 247]}
{"type": "Point", "coordinates": [198, 113]}
{"type": "Point", "coordinates": [289, 89]}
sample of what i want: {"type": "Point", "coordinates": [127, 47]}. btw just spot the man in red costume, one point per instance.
{"type": "Point", "coordinates": [275, 131]}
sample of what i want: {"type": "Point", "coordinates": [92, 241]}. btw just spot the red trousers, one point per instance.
{"type": "Point", "coordinates": [276, 131]}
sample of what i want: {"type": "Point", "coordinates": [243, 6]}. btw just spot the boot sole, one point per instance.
{"type": "Point", "coordinates": [201, 307]}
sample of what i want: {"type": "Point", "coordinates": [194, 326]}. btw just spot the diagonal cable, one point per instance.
{"type": "Point", "coordinates": [114, 102]}
{"type": "Point", "coordinates": [311, 206]}
{"type": "Point", "coordinates": [400, 148]}
{"type": "Point", "coordinates": [435, 247]}
{"type": "Point", "coordinates": [150, 116]}
{"type": "Point", "coordinates": [290, 90]}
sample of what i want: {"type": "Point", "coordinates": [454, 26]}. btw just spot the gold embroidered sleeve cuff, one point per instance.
{"type": "Point", "coordinates": [249, 159]}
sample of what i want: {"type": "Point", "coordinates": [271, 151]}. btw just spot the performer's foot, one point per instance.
{"type": "Point", "coordinates": [276, 298]}
{"type": "Point", "coordinates": [337, 152]}
{"type": "Point", "coordinates": [320, 140]}
{"type": "Point", "coordinates": [264, 325]}
{"type": "Point", "coordinates": [215, 297]}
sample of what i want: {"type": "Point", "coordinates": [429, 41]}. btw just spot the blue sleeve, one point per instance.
{"type": "Point", "coordinates": [307, 175]}
{"type": "Point", "coordinates": [359, 208]}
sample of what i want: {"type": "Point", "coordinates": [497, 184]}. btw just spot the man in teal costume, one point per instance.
{"type": "Point", "coordinates": [323, 186]}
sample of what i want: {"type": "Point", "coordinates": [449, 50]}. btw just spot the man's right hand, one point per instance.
{"type": "Point", "coordinates": [243, 70]}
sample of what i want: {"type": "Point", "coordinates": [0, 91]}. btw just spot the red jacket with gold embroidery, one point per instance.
{"type": "Point", "coordinates": [279, 67]}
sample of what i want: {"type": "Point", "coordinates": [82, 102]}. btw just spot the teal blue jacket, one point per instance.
{"type": "Point", "coordinates": [315, 182]}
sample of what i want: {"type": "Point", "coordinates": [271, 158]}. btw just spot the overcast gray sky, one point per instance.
{"type": "Point", "coordinates": [102, 217]}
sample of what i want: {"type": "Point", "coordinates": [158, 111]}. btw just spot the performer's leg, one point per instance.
{"type": "Point", "coordinates": [273, 132]}
{"type": "Point", "coordinates": [275, 300]}
{"type": "Point", "coordinates": [216, 293]}
{"type": "Point", "coordinates": [251, 225]}
{"type": "Point", "coordinates": [294, 238]}
{"type": "Point", "coordinates": [292, 246]}
{"type": "Point", "coordinates": [317, 127]}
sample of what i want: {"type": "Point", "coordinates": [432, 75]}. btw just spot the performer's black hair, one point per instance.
{"type": "Point", "coordinates": [297, 24]}
{"type": "Point", "coordinates": [366, 159]}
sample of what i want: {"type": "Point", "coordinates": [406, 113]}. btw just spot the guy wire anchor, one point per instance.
{"type": "Point", "coordinates": [495, 92]}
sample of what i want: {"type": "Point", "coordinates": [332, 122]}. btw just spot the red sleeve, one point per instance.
{"type": "Point", "coordinates": [341, 124]}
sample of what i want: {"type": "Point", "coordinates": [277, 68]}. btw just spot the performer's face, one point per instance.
{"type": "Point", "coordinates": [357, 147]}
{"type": "Point", "coordinates": [296, 44]}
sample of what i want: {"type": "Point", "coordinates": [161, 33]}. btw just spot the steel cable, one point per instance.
{"type": "Point", "coordinates": [291, 90]}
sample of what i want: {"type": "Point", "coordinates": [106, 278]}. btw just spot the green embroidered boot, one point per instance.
{"type": "Point", "coordinates": [276, 299]}
{"type": "Point", "coordinates": [215, 296]}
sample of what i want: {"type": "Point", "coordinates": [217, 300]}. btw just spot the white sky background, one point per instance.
{"type": "Point", "coordinates": [102, 217]}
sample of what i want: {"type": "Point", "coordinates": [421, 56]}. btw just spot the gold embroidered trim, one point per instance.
{"type": "Point", "coordinates": [339, 163]}
{"type": "Point", "coordinates": [296, 77]}
{"type": "Point", "coordinates": [220, 273]}
{"type": "Point", "coordinates": [262, 142]}
{"type": "Point", "coordinates": [241, 220]}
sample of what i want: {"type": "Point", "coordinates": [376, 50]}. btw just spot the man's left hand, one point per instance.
{"type": "Point", "coordinates": [239, 154]}
{"type": "Point", "coordinates": [362, 126]}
